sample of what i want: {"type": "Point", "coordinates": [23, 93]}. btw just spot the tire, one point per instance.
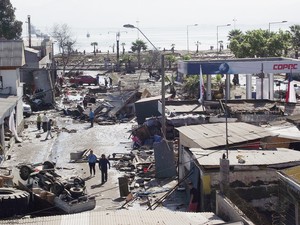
{"type": "Point", "coordinates": [13, 202]}
{"type": "Point", "coordinates": [57, 188]}
{"type": "Point", "coordinates": [25, 172]}
{"type": "Point", "coordinates": [79, 181]}
{"type": "Point", "coordinates": [48, 165]}
{"type": "Point", "coordinates": [76, 192]}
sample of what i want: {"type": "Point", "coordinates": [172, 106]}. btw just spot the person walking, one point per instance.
{"type": "Point", "coordinates": [194, 198]}
{"type": "Point", "coordinates": [45, 122]}
{"type": "Point", "coordinates": [92, 117]}
{"type": "Point", "coordinates": [39, 122]}
{"type": "Point", "coordinates": [49, 126]}
{"type": "Point", "coordinates": [92, 159]}
{"type": "Point", "coordinates": [103, 163]}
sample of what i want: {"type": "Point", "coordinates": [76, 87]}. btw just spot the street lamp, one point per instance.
{"type": "Point", "coordinates": [132, 26]}
{"type": "Point", "coordinates": [163, 98]}
{"type": "Point", "coordinates": [226, 25]}
{"type": "Point", "coordinates": [187, 35]}
{"type": "Point", "coordinates": [284, 21]}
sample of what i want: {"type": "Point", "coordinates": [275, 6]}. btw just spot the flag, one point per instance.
{"type": "Point", "coordinates": [201, 86]}
{"type": "Point", "coordinates": [290, 93]}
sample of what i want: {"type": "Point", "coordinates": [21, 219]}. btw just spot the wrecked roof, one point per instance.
{"type": "Point", "coordinates": [284, 130]}
{"type": "Point", "coordinates": [124, 217]}
{"type": "Point", "coordinates": [119, 101]}
{"type": "Point", "coordinates": [214, 135]}
{"type": "Point", "coordinates": [252, 106]}
{"type": "Point", "coordinates": [153, 98]}
{"type": "Point", "coordinates": [7, 104]}
{"type": "Point", "coordinates": [193, 108]}
{"type": "Point", "coordinates": [280, 156]}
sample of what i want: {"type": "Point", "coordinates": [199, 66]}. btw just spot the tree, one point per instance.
{"type": "Point", "coordinates": [191, 86]}
{"type": "Point", "coordinates": [235, 34]}
{"type": "Point", "coordinates": [171, 59]}
{"type": "Point", "coordinates": [62, 34]}
{"type": "Point", "coordinates": [10, 28]}
{"type": "Point", "coordinates": [257, 43]}
{"type": "Point", "coordinates": [138, 46]}
{"type": "Point", "coordinates": [94, 44]}
{"type": "Point", "coordinates": [172, 48]}
{"type": "Point", "coordinates": [295, 39]}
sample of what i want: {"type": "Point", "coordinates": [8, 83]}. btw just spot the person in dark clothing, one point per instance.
{"type": "Point", "coordinates": [39, 122]}
{"type": "Point", "coordinates": [103, 162]}
{"type": "Point", "coordinates": [110, 81]}
{"type": "Point", "coordinates": [194, 198]}
{"type": "Point", "coordinates": [49, 125]}
{"type": "Point", "coordinates": [45, 122]}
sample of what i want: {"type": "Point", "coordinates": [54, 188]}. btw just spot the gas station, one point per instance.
{"type": "Point", "coordinates": [265, 68]}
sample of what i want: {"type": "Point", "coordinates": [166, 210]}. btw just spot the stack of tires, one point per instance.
{"type": "Point", "coordinates": [13, 202]}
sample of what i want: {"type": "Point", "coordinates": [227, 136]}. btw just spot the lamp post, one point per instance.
{"type": "Point", "coordinates": [187, 35]}
{"type": "Point", "coordinates": [118, 52]}
{"type": "Point", "coordinates": [225, 25]}
{"type": "Point", "coordinates": [284, 21]}
{"type": "Point", "coordinates": [132, 26]}
{"type": "Point", "coordinates": [163, 98]}
{"type": "Point", "coordinates": [118, 34]}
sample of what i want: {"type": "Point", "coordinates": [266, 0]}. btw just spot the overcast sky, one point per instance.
{"type": "Point", "coordinates": [155, 13]}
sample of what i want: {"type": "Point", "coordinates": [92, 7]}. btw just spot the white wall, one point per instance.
{"type": "Point", "coordinates": [11, 78]}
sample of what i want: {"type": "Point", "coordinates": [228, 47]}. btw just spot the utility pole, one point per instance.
{"type": "Point", "coordinates": [29, 32]}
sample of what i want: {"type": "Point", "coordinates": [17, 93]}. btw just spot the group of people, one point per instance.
{"type": "Point", "coordinates": [46, 124]}
{"type": "Point", "coordinates": [103, 162]}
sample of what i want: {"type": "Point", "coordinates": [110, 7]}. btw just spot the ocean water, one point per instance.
{"type": "Point", "coordinates": [161, 37]}
{"type": "Point", "coordinates": [183, 37]}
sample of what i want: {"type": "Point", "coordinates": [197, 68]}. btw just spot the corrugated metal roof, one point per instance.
{"type": "Point", "coordinates": [213, 135]}
{"type": "Point", "coordinates": [11, 53]}
{"type": "Point", "coordinates": [284, 130]}
{"type": "Point", "coordinates": [124, 217]}
{"type": "Point", "coordinates": [184, 108]}
{"type": "Point", "coordinates": [247, 157]}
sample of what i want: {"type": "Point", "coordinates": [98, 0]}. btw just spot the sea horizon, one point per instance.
{"type": "Point", "coordinates": [183, 37]}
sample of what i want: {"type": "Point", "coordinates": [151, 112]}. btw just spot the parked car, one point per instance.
{"type": "Point", "coordinates": [26, 110]}
{"type": "Point", "coordinates": [84, 79]}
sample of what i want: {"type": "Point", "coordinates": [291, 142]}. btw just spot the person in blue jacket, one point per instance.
{"type": "Point", "coordinates": [92, 117]}
{"type": "Point", "coordinates": [92, 159]}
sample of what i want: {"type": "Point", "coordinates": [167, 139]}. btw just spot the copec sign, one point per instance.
{"type": "Point", "coordinates": [240, 66]}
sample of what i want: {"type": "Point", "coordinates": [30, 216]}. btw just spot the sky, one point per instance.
{"type": "Point", "coordinates": [84, 14]}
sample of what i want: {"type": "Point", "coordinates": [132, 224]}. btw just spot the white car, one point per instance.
{"type": "Point", "coordinates": [26, 110]}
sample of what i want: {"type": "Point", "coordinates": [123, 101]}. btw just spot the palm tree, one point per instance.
{"type": "Point", "coordinates": [234, 34]}
{"type": "Point", "coordinates": [172, 47]}
{"type": "Point", "coordinates": [94, 44]}
{"type": "Point", "coordinates": [138, 46]}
